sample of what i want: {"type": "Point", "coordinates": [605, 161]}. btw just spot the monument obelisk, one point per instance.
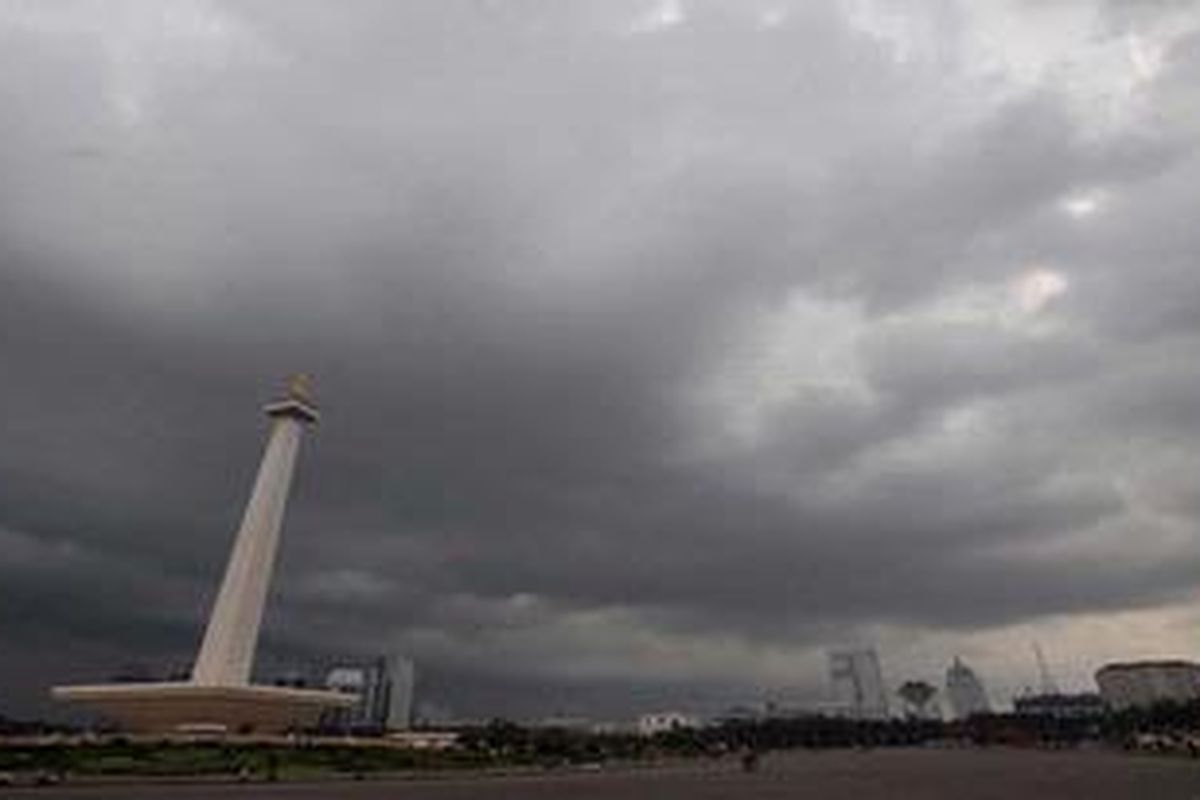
{"type": "Point", "coordinates": [227, 653]}
{"type": "Point", "coordinates": [219, 694]}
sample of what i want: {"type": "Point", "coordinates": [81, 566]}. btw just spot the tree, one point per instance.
{"type": "Point", "coordinates": [917, 695]}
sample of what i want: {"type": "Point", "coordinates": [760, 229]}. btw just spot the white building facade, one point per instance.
{"type": "Point", "coordinates": [665, 722]}
{"type": "Point", "coordinates": [857, 682]}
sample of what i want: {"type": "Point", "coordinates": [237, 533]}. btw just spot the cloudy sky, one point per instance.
{"type": "Point", "coordinates": [662, 344]}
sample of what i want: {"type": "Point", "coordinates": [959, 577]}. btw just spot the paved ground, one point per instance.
{"type": "Point", "coordinates": [904, 775]}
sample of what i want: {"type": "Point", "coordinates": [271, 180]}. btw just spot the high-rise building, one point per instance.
{"type": "Point", "coordinates": [384, 691]}
{"type": "Point", "coordinates": [857, 682]}
{"type": "Point", "coordinates": [403, 674]}
{"type": "Point", "coordinates": [965, 691]}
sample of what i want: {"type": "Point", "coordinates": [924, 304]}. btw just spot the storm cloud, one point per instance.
{"type": "Point", "coordinates": [661, 344]}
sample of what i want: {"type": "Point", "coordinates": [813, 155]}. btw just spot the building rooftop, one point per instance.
{"type": "Point", "coordinates": [1164, 663]}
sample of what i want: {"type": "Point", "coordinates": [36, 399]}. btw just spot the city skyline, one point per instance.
{"type": "Point", "coordinates": [666, 344]}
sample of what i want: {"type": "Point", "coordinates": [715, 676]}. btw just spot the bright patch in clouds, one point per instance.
{"type": "Point", "coordinates": [808, 349]}
{"type": "Point", "coordinates": [141, 42]}
{"type": "Point", "coordinates": [772, 18]}
{"type": "Point", "coordinates": [1146, 56]}
{"type": "Point", "coordinates": [1034, 290]}
{"type": "Point", "coordinates": [1084, 204]}
{"type": "Point", "coordinates": [1013, 306]}
{"type": "Point", "coordinates": [664, 15]}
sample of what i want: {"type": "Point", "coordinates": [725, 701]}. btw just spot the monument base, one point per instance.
{"type": "Point", "coordinates": [191, 708]}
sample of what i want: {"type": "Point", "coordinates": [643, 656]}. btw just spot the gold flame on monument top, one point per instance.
{"type": "Point", "coordinates": [297, 400]}
{"type": "Point", "coordinates": [298, 386]}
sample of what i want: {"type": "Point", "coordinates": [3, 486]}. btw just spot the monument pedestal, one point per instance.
{"type": "Point", "coordinates": [191, 708]}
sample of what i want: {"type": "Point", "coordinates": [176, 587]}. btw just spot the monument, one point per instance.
{"type": "Point", "coordinates": [219, 694]}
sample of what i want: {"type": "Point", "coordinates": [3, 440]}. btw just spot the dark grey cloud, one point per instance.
{"type": "Point", "coordinates": [661, 344]}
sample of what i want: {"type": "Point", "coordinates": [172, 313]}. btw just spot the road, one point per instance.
{"type": "Point", "coordinates": [842, 775]}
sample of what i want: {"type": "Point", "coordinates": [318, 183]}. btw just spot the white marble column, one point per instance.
{"type": "Point", "coordinates": [227, 653]}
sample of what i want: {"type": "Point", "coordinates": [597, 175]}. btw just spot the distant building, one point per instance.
{"type": "Point", "coordinates": [965, 691]}
{"type": "Point", "coordinates": [665, 722]}
{"type": "Point", "coordinates": [565, 722]}
{"type": "Point", "coordinates": [384, 688]}
{"type": "Point", "coordinates": [857, 682]}
{"type": "Point", "coordinates": [425, 740]}
{"type": "Point", "coordinates": [1141, 684]}
{"type": "Point", "coordinates": [366, 682]}
{"type": "Point", "coordinates": [1060, 706]}
{"type": "Point", "coordinates": [611, 727]}
{"type": "Point", "coordinates": [295, 678]}
{"type": "Point", "coordinates": [743, 714]}
{"type": "Point", "coordinates": [403, 674]}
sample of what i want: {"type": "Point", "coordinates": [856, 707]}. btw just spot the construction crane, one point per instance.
{"type": "Point", "coordinates": [1048, 686]}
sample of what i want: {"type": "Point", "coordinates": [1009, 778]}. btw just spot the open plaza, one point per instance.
{"type": "Point", "coordinates": [913, 774]}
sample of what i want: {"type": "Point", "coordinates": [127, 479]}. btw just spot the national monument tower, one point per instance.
{"type": "Point", "coordinates": [219, 693]}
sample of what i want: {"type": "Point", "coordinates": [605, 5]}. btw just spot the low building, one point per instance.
{"type": "Point", "coordinates": [425, 740]}
{"type": "Point", "coordinates": [1142, 684]}
{"type": "Point", "coordinates": [665, 722]}
{"type": "Point", "coordinates": [562, 722]}
{"type": "Point", "coordinates": [1059, 706]}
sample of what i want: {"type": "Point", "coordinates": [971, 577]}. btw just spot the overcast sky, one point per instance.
{"type": "Point", "coordinates": [662, 344]}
